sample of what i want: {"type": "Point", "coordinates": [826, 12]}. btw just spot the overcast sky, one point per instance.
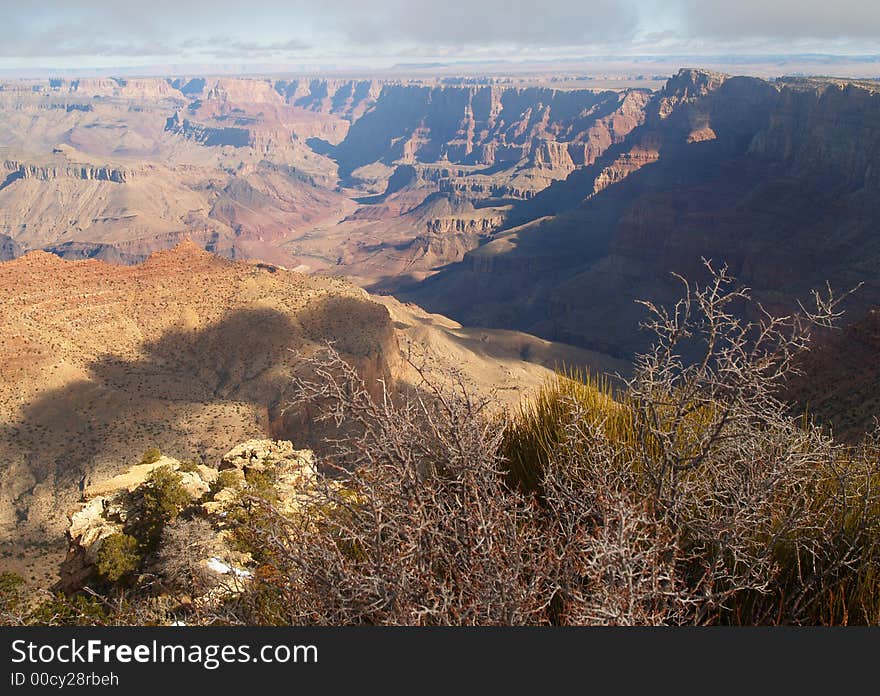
{"type": "Point", "coordinates": [96, 33]}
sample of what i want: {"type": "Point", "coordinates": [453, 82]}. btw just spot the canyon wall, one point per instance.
{"type": "Point", "coordinates": [779, 181]}
{"type": "Point", "coordinates": [490, 127]}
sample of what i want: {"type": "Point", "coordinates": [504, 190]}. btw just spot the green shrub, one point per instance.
{"type": "Point", "coordinates": [164, 496]}
{"type": "Point", "coordinates": [189, 466]}
{"type": "Point", "coordinates": [118, 556]}
{"type": "Point", "coordinates": [225, 479]}
{"type": "Point", "coordinates": [261, 484]}
{"type": "Point", "coordinates": [78, 610]}
{"type": "Point", "coordinates": [151, 456]}
{"type": "Point", "coordinates": [252, 518]}
{"type": "Point", "coordinates": [11, 584]}
{"type": "Point", "coordinates": [163, 499]}
{"type": "Point", "coordinates": [13, 597]}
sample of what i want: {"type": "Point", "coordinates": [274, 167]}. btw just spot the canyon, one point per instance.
{"type": "Point", "coordinates": [170, 249]}
{"type": "Point", "coordinates": [511, 203]}
{"type": "Point", "coordinates": [378, 180]}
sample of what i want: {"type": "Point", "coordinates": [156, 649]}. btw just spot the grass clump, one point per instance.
{"type": "Point", "coordinates": [535, 432]}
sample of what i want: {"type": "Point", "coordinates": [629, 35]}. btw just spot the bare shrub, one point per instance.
{"type": "Point", "coordinates": [768, 520]}
{"type": "Point", "coordinates": [421, 525]}
{"type": "Point", "coordinates": [417, 528]}
{"type": "Point", "coordinates": [185, 547]}
{"type": "Point", "coordinates": [721, 458]}
{"type": "Point", "coordinates": [614, 564]}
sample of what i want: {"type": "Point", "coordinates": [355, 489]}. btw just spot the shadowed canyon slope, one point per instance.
{"type": "Point", "coordinates": [840, 380]}
{"type": "Point", "coordinates": [192, 353]}
{"type": "Point", "coordinates": [779, 181]}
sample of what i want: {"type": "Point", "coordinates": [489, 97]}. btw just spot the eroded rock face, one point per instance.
{"type": "Point", "coordinates": [546, 133]}
{"type": "Point", "coordinates": [826, 129]}
{"type": "Point", "coordinates": [46, 172]}
{"type": "Point", "coordinates": [777, 180]}
{"type": "Point", "coordinates": [292, 470]}
{"type": "Point", "coordinates": [108, 506]}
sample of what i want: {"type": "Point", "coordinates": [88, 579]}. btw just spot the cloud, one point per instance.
{"type": "Point", "coordinates": [77, 30]}
{"type": "Point", "coordinates": [783, 19]}
{"type": "Point", "coordinates": [63, 27]}
{"type": "Point", "coordinates": [468, 23]}
{"type": "Point", "coordinates": [227, 46]}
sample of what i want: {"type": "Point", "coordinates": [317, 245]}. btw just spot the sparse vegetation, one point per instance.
{"type": "Point", "coordinates": [78, 610]}
{"type": "Point", "coordinates": [690, 495]}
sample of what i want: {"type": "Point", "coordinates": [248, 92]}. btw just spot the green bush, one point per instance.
{"type": "Point", "coordinates": [151, 456]}
{"type": "Point", "coordinates": [164, 496]}
{"type": "Point", "coordinates": [225, 479]}
{"type": "Point", "coordinates": [78, 610]}
{"type": "Point", "coordinates": [253, 514]}
{"type": "Point", "coordinates": [163, 499]}
{"type": "Point", "coordinates": [118, 557]}
{"type": "Point", "coordinates": [13, 596]}
{"type": "Point", "coordinates": [261, 484]}
{"type": "Point", "coordinates": [189, 466]}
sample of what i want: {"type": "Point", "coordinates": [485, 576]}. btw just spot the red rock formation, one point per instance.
{"type": "Point", "coordinates": [779, 181]}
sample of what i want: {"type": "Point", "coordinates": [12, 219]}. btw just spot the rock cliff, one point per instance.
{"type": "Point", "coordinates": [776, 180]}
{"type": "Point", "coordinates": [545, 130]}
{"type": "Point", "coordinates": [47, 172]}
{"type": "Point", "coordinates": [113, 506]}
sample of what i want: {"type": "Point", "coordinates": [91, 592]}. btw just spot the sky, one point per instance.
{"type": "Point", "coordinates": [73, 34]}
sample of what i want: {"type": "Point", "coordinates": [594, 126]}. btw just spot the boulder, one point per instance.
{"type": "Point", "coordinates": [254, 453]}
{"type": "Point", "coordinates": [130, 480]}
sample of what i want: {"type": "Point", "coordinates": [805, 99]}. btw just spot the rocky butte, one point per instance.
{"type": "Point", "coordinates": [109, 507]}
